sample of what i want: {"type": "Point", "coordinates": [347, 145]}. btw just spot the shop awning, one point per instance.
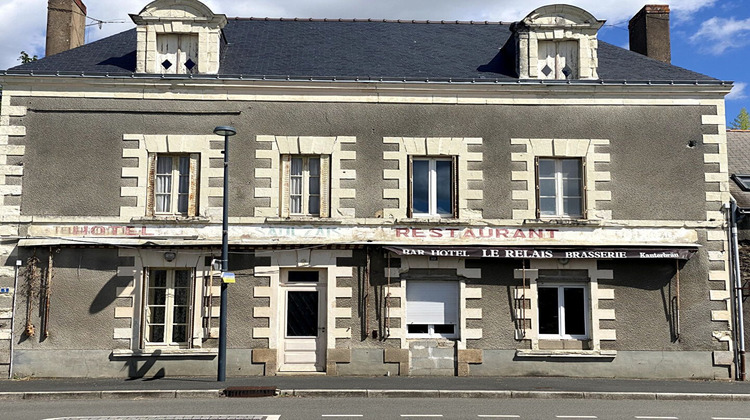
{"type": "Point", "coordinates": [646, 253]}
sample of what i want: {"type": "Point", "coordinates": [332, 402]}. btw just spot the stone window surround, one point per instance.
{"type": "Point", "coordinates": [397, 290]}
{"type": "Point", "coordinates": [559, 148]}
{"type": "Point", "coordinates": [284, 260]}
{"type": "Point", "coordinates": [171, 144]}
{"type": "Point", "coordinates": [133, 292]}
{"type": "Point", "coordinates": [595, 293]}
{"type": "Point", "coordinates": [433, 147]}
{"type": "Point", "coordinates": [305, 145]}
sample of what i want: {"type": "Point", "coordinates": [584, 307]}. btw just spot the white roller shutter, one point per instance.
{"type": "Point", "coordinates": [432, 302]}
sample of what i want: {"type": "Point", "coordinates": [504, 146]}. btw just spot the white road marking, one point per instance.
{"type": "Point", "coordinates": [499, 416]}
{"type": "Point", "coordinates": [657, 418]}
{"type": "Point", "coordinates": [577, 417]}
{"type": "Point", "coordinates": [341, 415]}
{"type": "Point", "coordinates": [421, 415]}
{"type": "Point", "coordinates": [730, 418]}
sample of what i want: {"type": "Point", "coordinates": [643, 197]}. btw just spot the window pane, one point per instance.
{"type": "Point", "coordinates": [548, 311]}
{"type": "Point", "coordinates": [184, 174]}
{"type": "Point", "coordinates": [421, 186]}
{"type": "Point", "coordinates": [575, 311]}
{"type": "Point", "coordinates": [447, 329]}
{"type": "Point", "coordinates": [314, 166]}
{"type": "Point", "coordinates": [296, 168]}
{"type": "Point", "coordinates": [158, 315]}
{"type": "Point", "coordinates": [295, 205]}
{"type": "Point", "coordinates": [546, 187]}
{"type": "Point", "coordinates": [571, 168]}
{"type": "Point", "coordinates": [157, 296]}
{"type": "Point", "coordinates": [572, 206]}
{"type": "Point", "coordinates": [163, 165]}
{"type": "Point", "coordinates": [571, 187]}
{"type": "Point", "coordinates": [417, 329]}
{"type": "Point", "coordinates": [302, 314]}
{"type": "Point", "coordinates": [179, 333]}
{"type": "Point", "coordinates": [295, 186]}
{"type": "Point", "coordinates": [314, 205]}
{"type": "Point", "coordinates": [158, 278]}
{"type": "Point", "coordinates": [546, 168]}
{"type": "Point", "coordinates": [547, 205]}
{"type": "Point", "coordinates": [181, 296]}
{"type": "Point", "coordinates": [314, 185]}
{"type": "Point", "coordinates": [182, 278]}
{"type": "Point", "coordinates": [444, 186]}
{"type": "Point", "coordinates": [157, 334]}
{"type": "Point", "coordinates": [180, 315]}
{"type": "Point", "coordinates": [303, 276]}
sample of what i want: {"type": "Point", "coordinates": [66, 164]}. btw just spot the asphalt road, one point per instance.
{"type": "Point", "coordinates": [377, 408]}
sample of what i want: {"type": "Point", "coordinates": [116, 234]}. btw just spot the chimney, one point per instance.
{"type": "Point", "coordinates": [649, 32]}
{"type": "Point", "coordinates": [66, 25]}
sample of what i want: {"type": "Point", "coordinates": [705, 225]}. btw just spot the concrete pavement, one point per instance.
{"type": "Point", "coordinates": [378, 387]}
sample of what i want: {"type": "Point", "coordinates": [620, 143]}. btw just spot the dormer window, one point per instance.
{"type": "Point", "coordinates": [556, 42]}
{"type": "Point", "coordinates": [178, 37]}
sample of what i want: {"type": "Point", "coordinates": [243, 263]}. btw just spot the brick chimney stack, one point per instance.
{"type": "Point", "coordinates": [66, 25]}
{"type": "Point", "coordinates": [649, 32]}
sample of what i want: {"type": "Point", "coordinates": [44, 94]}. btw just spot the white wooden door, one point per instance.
{"type": "Point", "coordinates": [304, 335]}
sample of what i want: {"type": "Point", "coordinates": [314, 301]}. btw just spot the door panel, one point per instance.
{"type": "Point", "coordinates": [304, 329]}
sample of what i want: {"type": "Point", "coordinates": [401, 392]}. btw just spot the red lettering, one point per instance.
{"type": "Point", "coordinates": [538, 233]}
{"type": "Point", "coordinates": [552, 233]}
{"type": "Point", "coordinates": [402, 232]}
{"type": "Point", "coordinates": [519, 234]}
{"type": "Point", "coordinates": [501, 232]}
{"type": "Point", "coordinates": [452, 231]}
{"type": "Point", "coordinates": [98, 230]}
{"type": "Point", "coordinates": [143, 231]}
{"type": "Point", "coordinates": [115, 229]}
{"type": "Point", "coordinates": [483, 235]}
{"type": "Point", "coordinates": [80, 230]}
{"type": "Point", "coordinates": [417, 233]}
{"type": "Point", "coordinates": [130, 230]}
{"type": "Point", "coordinates": [436, 233]}
{"type": "Point", "coordinates": [468, 233]}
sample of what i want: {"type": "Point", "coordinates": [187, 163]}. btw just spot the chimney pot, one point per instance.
{"type": "Point", "coordinates": [649, 32]}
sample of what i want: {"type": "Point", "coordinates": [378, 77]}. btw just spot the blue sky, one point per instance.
{"type": "Point", "coordinates": [708, 36]}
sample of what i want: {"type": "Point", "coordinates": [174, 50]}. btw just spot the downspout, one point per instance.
{"type": "Point", "coordinates": [737, 295]}
{"type": "Point", "coordinates": [13, 319]}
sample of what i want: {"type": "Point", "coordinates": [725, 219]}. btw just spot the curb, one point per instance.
{"type": "Point", "coordinates": [375, 393]}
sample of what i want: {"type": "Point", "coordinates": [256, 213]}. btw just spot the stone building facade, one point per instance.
{"type": "Point", "coordinates": [506, 200]}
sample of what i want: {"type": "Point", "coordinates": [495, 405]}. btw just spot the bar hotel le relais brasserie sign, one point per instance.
{"type": "Point", "coordinates": [488, 242]}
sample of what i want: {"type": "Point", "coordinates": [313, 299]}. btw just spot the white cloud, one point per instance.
{"type": "Point", "coordinates": [716, 35]}
{"type": "Point", "coordinates": [737, 92]}
{"type": "Point", "coordinates": [23, 22]}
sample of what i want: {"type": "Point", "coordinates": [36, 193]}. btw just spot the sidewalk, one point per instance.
{"type": "Point", "coordinates": [429, 387]}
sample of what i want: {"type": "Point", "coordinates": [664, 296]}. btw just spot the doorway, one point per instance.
{"type": "Point", "coordinates": [304, 322]}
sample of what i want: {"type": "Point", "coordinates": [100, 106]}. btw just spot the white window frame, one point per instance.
{"type": "Point", "coordinates": [431, 325]}
{"type": "Point", "coordinates": [175, 177]}
{"type": "Point", "coordinates": [559, 182]}
{"type": "Point", "coordinates": [305, 177]}
{"type": "Point", "coordinates": [169, 309]}
{"type": "Point", "coordinates": [561, 314]}
{"type": "Point", "coordinates": [432, 187]}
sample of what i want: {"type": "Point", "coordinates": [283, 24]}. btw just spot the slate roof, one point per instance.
{"type": "Point", "coordinates": [351, 49]}
{"type": "Point", "coordinates": [738, 150]}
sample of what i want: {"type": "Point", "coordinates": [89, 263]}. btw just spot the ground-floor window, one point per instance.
{"type": "Point", "coordinates": [563, 311]}
{"type": "Point", "coordinates": [167, 307]}
{"type": "Point", "coordinates": [432, 308]}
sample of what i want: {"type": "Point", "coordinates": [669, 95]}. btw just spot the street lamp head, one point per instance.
{"type": "Point", "coordinates": [225, 130]}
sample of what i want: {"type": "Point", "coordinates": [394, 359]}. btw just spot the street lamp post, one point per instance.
{"type": "Point", "coordinates": [221, 376]}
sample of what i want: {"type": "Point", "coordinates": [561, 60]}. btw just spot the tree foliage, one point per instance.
{"type": "Point", "coordinates": [742, 121]}
{"type": "Point", "coordinates": [25, 58]}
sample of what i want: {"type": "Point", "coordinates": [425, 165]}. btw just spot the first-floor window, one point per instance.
{"type": "Point", "coordinates": [433, 187]}
{"type": "Point", "coordinates": [432, 308]}
{"type": "Point", "coordinates": [563, 311]}
{"type": "Point", "coordinates": [304, 186]}
{"type": "Point", "coordinates": [560, 187]}
{"type": "Point", "coordinates": [173, 184]}
{"type": "Point", "coordinates": [167, 309]}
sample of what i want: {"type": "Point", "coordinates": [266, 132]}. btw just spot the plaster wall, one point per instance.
{"type": "Point", "coordinates": [90, 133]}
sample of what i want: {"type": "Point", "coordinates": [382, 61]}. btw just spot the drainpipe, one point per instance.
{"type": "Point", "coordinates": [734, 212]}
{"type": "Point", "coordinates": [13, 319]}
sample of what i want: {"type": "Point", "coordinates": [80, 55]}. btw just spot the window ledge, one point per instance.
{"type": "Point", "coordinates": [171, 220]}
{"type": "Point", "coordinates": [562, 222]}
{"type": "Point", "coordinates": [565, 354]}
{"type": "Point", "coordinates": [310, 220]}
{"type": "Point", "coordinates": [164, 353]}
{"type": "Point", "coordinates": [431, 220]}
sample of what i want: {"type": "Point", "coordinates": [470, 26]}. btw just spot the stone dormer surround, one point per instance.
{"type": "Point", "coordinates": [178, 17]}
{"type": "Point", "coordinates": [557, 22]}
